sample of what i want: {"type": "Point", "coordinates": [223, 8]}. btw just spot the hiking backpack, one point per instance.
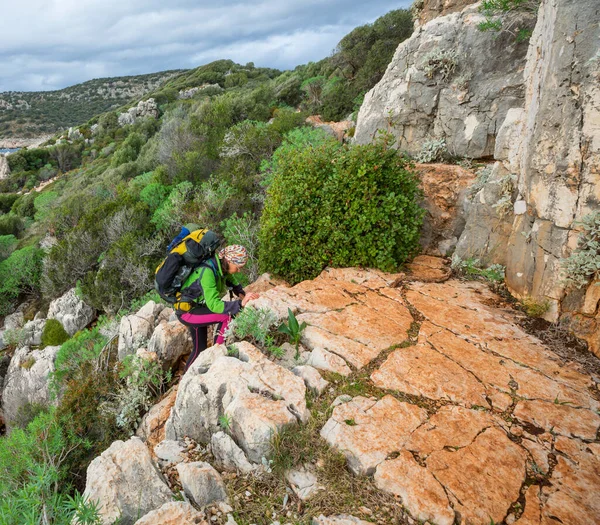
{"type": "Point", "coordinates": [186, 252]}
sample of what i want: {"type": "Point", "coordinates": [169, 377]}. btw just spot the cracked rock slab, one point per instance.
{"type": "Point", "coordinates": [366, 431]}
{"type": "Point", "coordinates": [420, 492]}
{"type": "Point", "coordinates": [452, 427]}
{"type": "Point", "coordinates": [482, 479]}
{"type": "Point", "coordinates": [560, 419]}
{"type": "Point", "coordinates": [422, 371]}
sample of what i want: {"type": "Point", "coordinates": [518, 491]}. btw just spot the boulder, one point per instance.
{"type": "Point", "coordinates": [136, 329]}
{"type": "Point", "coordinates": [168, 451]}
{"type": "Point", "coordinates": [170, 340]}
{"type": "Point", "coordinates": [152, 427]}
{"type": "Point", "coordinates": [144, 109]}
{"type": "Point", "coordinates": [437, 88]}
{"type": "Point", "coordinates": [228, 456]}
{"type": "Point", "coordinates": [201, 483]}
{"type": "Point", "coordinates": [26, 380]}
{"type": "Point", "coordinates": [174, 513]}
{"type": "Point", "coordinates": [71, 311]}
{"type": "Point", "coordinates": [303, 482]}
{"type": "Point", "coordinates": [254, 395]}
{"type": "Point", "coordinates": [489, 217]}
{"type": "Point", "coordinates": [312, 378]}
{"type": "Point", "coordinates": [14, 321]}
{"type": "Point", "coordinates": [31, 333]}
{"type": "Point", "coordinates": [263, 283]}
{"type": "Point", "coordinates": [125, 483]}
{"type": "Point", "coordinates": [426, 10]}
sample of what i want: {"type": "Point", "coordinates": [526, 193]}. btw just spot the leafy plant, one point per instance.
{"type": "Point", "coordinates": [225, 422]}
{"type": "Point", "coordinates": [143, 381]}
{"type": "Point", "coordinates": [254, 324]}
{"type": "Point", "coordinates": [535, 308]}
{"type": "Point", "coordinates": [440, 63]}
{"type": "Point", "coordinates": [293, 330]}
{"type": "Point", "coordinates": [583, 264]}
{"type": "Point", "coordinates": [471, 268]}
{"type": "Point", "coordinates": [432, 150]}
{"type": "Point", "coordinates": [506, 15]}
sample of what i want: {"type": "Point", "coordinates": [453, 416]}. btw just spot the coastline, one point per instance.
{"type": "Point", "coordinates": [22, 142]}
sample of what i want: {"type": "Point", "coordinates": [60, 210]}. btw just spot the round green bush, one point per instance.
{"type": "Point", "coordinates": [332, 205]}
{"type": "Point", "coordinates": [54, 334]}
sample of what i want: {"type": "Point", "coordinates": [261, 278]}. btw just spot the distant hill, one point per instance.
{"type": "Point", "coordinates": [32, 114]}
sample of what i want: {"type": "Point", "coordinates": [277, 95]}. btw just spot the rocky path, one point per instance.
{"type": "Point", "coordinates": [443, 409]}
{"type": "Point", "coordinates": [467, 417]}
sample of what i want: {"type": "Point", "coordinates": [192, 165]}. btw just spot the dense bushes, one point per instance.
{"type": "Point", "coordinates": [338, 206]}
{"type": "Point", "coordinates": [19, 273]}
{"type": "Point", "coordinates": [34, 475]}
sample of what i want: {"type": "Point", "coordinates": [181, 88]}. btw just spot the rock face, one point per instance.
{"type": "Point", "coordinates": [4, 167]}
{"type": "Point", "coordinates": [31, 333]}
{"type": "Point", "coordinates": [125, 483]}
{"type": "Point", "coordinates": [437, 87]}
{"type": "Point", "coordinates": [152, 427]}
{"type": "Point", "coordinates": [254, 395]}
{"type": "Point", "coordinates": [144, 109]}
{"type": "Point", "coordinates": [551, 147]}
{"type": "Point", "coordinates": [26, 380]}
{"type": "Point", "coordinates": [445, 189]}
{"type": "Point", "coordinates": [71, 311]}
{"type": "Point", "coordinates": [427, 10]}
{"type": "Point", "coordinates": [136, 329]}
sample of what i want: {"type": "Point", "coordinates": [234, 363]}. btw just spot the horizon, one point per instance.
{"type": "Point", "coordinates": [145, 37]}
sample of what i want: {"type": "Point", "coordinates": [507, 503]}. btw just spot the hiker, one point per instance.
{"type": "Point", "coordinates": [201, 305]}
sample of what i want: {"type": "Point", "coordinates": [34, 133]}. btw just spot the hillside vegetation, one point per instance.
{"type": "Point", "coordinates": [230, 140]}
{"type": "Point", "coordinates": [29, 114]}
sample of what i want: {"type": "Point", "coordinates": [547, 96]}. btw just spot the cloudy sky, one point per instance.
{"type": "Point", "coordinates": [51, 44]}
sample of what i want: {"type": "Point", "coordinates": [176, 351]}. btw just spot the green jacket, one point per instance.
{"type": "Point", "coordinates": [207, 284]}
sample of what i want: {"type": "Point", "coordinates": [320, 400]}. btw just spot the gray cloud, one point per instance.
{"type": "Point", "coordinates": [51, 44]}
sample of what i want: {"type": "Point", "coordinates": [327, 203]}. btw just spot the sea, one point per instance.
{"type": "Point", "coordinates": [6, 151]}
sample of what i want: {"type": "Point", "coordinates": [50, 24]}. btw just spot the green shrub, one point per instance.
{"type": "Point", "coordinates": [142, 382]}
{"type": "Point", "coordinates": [11, 225]}
{"type": "Point", "coordinates": [330, 205]}
{"type": "Point", "coordinates": [253, 324]}
{"type": "Point", "coordinates": [154, 195]}
{"type": "Point", "coordinates": [433, 150]}
{"type": "Point", "coordinates": [54, 333]}
{"type": "Point", "coordinates": [8, 243]}
{"type": "Point", "coordinates": [473, 269]}
{"type": "Point", "coordinates": [20, 273]}
{"type": "Point", "coordinates": [6, 201]}
{"type": "Point", "coordinates": [44, 203]}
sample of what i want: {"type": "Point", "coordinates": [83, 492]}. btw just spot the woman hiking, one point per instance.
{"type": "Point", "coordinates": [200, 304]}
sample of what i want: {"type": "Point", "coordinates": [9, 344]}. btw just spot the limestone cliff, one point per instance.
{"type": "Point", "coordinates": [448, 81]}
{"type": "Point", "coordinates": [551, 147]}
